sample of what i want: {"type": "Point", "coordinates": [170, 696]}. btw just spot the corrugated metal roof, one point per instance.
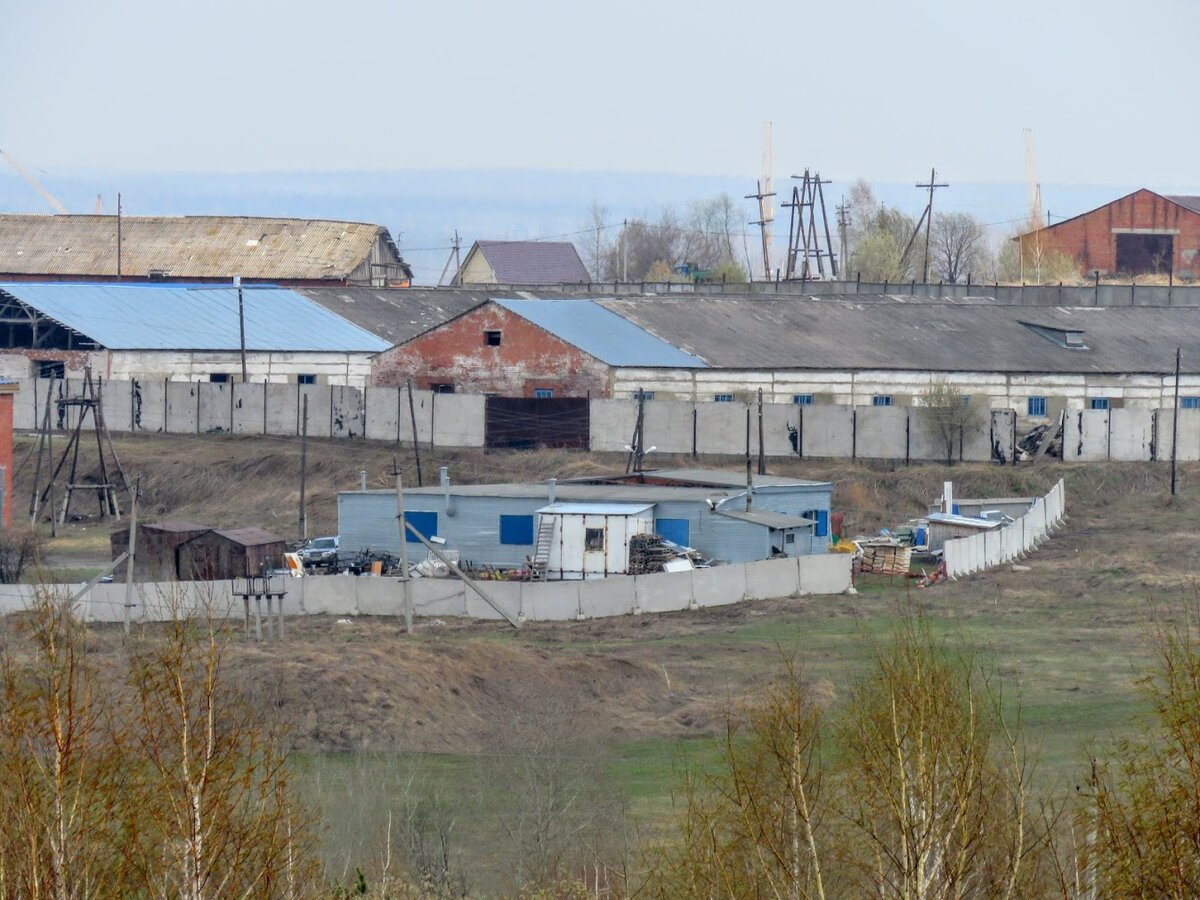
{"type": "Point", "coordinates": [1188, 201]}
{"type": "Point", "coordinates": [962, 521]}
{"type": "Point", "coordinates": [596, 509]}
{"type": "Point", "coordinates": [767, 518]}
{"type": "Point", "coordinates": [533, 262]}
{"type": "Point", "coordinates": [249, 536]}
{"type": "Point", "coordinates": [945, 336]}
{"type": "Point", "coordinates": [608, 337]}
{"type": "Point", "coordinates": [395, 314]}
{"type": "Point", "coordinates": [186, 246]}
{"type": "Point", "coordinates": [726, 478]}
{"type": "Point", "coordinates": [176, 317]}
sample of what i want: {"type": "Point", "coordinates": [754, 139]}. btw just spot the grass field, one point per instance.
{"type": "Point", "coordinates": [371, 707]}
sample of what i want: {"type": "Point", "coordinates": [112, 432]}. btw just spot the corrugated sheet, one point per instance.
{"type": "Point", "coordinates": [395, 314]}
{"type": "Point", "coordinates": [173, 317]}
{"type": "Point", "coordinates": [767, 518]}
{"type": "Point", "coordinates": [892, 333]}
{"type": "Point", "coordinates": [534, 262]}
{"type": "Point", "coordinates": [186, 246]}
{"type": "Point", "coordinates": [600, 333]}
{"type": "Point", "coordinates": [596, 509]}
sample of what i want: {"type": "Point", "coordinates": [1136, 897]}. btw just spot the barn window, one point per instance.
{"type": "Point", "coordinates": [1189, 402]}
{"type": "Point", "coordinates": [1098, 403]}
{"type": "Point", "coordinates": [645, 395]}
{"type": "Point", "coordinates": [445, 387]}
{"type": "Point", "coordinates": [543, 393]}
{"type": "Point", "coordinates": [722, 398]}
{"type": "Point", "coordinates": [516, 530]}
{"type": "Point", "coordinates": [881, 400]}
{"type": "Point", "coordinates": [1035, 406]}
{"type": "Point", "coordinates": [219, 377]}
{"type": "Point", "coordinates": [49, 368]}
{"type": "Point", "coordinates": [492, 338]}
{"type": "Point", "coordinates": [593, 539]}
{"type": "Point", "coordinates": [306, 379]}
{"type": "Point", "coordinates": [802, 399]}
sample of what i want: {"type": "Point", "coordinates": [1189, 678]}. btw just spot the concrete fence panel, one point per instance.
{"type": "Point", "coordinates": [827, 432]}
{"type": "Point", "coordinates": [249, 408]}
{"type": "Point", "coordinates": [668, 425]}
{"type": "Point", "coordinates": [719, 586]}
{"type": "Point", "coordinates": [721, 428]}
{"type": "Point", "coordinates": [1131, 434]}
{"type": "Point", "coordinates": [827, 573]}
{"type": "Point", "coordinates": [116, 402]}
{"type": "Point", "coordinates": [183, 407]}
{"type": "Point", "coordinates": [149, 403]}
{"type": "Point", "coordinates": [283, 409]}
{"type": "Point", "coordinates": [1188, 448]}
{"type": "Point", "coordinates": [601, 597]}
{"type": "Point", "coordinates": [781, 429]}
{"type": "Point", "coordinates": [215, 407]}
{"type": "Point", "coordinates": [457, 420]}
{"type": "Point", "coordinates": [31, 397]}
{"type": "Point", "coordinates": [663, 592]}
{"type": "Point", "coordinates": [346, 410]}
{"type": "Point", "coordinates": [883, 431]}
{"type": "Point", "coordinates": [381, 407]}
{"type": "Point", "coordinates": [320, 408]}
{"type": "Point", "coordinates": [771, 578]}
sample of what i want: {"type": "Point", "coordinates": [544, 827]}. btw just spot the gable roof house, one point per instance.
{"type": "Point", "coordinates": [1143, 233]}
{"type": "Point", "coordinates": [522, 263]}
{"type": "Point", "coordinates": [176, 332]}
{"type": "Point", "coordinates": [198, 249]}
{"type": "Point", "coordinates": [528, 348]}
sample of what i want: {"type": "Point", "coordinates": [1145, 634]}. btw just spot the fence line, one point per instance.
{"type": "Point", "coordinates": [988, 549]}
{"type": "Point", "coordinates": [347, 595]}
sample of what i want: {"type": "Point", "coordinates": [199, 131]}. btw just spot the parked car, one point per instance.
{"type": "Point", "coordinates": [320, 553]}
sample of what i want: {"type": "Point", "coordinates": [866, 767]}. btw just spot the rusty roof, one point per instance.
{"type": "Point", "coordinates": [250, 536]}
{"type": "Point", "coordinates": [182, 247]}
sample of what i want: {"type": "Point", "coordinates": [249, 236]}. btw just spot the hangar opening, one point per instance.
{"type": "Point", "coordinates": [1145, 254]}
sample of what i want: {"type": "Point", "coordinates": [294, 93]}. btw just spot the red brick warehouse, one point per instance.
{"type": "Point", "coordinates": [1142, 233]}
{"type": "Point", "coordinates": [527, 348]}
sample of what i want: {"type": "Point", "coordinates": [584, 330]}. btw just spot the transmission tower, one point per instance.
{"type": "Point", "coordinates": [804, 236]}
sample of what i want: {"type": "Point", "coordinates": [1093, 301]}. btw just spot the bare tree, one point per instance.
{"type": "Point", "coordinates": [948, 414]}
{"type": "Point", "coordinates": [596, 240]}
{"type": "Point", "coordinates": [958, 246]}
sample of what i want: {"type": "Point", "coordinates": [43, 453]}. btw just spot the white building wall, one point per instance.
{"type": "Point", "coordinates": [353, 369]}
{"type": "Point", "coordinates": [999, 390]}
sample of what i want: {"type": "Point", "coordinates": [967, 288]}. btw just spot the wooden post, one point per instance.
{"type": "Point", "coordinates": [258, 617]}
{"type": "Point", "coordinates": [404, 574]}
{"type": "Point", "coordinates": [303, 467]}
{"type": "Point", "coordinates": [279, 599]}
{"type": "Point", "coordinates": [762, 458]}
{"type": "Point", "coordinates": [133, 516]}
{"type": "Point", "coordinates": [412, 414]}
{"type": "Point", "coordinates": [1175, 425]}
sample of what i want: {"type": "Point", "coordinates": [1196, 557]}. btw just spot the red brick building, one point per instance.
{"type": "Point", "coordinates": [1139, 234]}
{"type": "Point", "coordinates": [527, 348]}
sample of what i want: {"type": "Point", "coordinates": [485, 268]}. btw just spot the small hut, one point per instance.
{"type": "Point", "coordinates": [226, 553]}
{"type": "Point", "coordinates": [157, 544]}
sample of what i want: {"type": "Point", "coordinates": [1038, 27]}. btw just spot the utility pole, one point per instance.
{"type": "Point", "coordinates": [843, 224]}
{"type": "Point", "coordinates": [412, 415]}
{"type": "Point", "coordinates": [118, 235]}
{"type": "Point", "coordinates": [237, 282]}
{"type": "Point", "coordinates": [129, 562]}
{"type": "Point", "coordinates": [637, 445]}
{"type": "Point", "coordinates": [749, 476]}
{"type": "Point", "coordinates": [303, 467]}
{"type": "Point", "coordinates": [404, 571]}
{"type": "Point", "coordinates": [624, 251]}
{"type": "Point", "coordinates": [765, 219]}
{"type": "Point", "coordinates": [1175, 424]}
{"type": "Point", "coordinates": [455, 280]}
{"type": "Point", "coordinates": [933, 186]}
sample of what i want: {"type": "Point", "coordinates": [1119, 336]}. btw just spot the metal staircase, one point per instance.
{"type": "Point", "coordinates": [541, 549]}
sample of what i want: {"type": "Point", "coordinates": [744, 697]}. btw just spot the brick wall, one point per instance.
{"type": "Point", "coordinates": [1090, 238]}
{"type": "Point", "coordinates": [527, 358]}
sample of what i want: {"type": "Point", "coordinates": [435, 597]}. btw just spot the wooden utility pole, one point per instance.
{"type": "Point", "coordinates": [303, 466]}
{"type": "Point", "coordinates": [237, 281]}
{"type": "Point", "coordinates": [762, 457]}
{"type": "Point", "coordinates": [926, 220]}
{"type": "Point", "coordinates": [843, 224]}
{"type": "Point", "coordinates": [405, 574]}
{"type": "Point", "coordinates": [129, 562]}
{"type": "Point", "coordinates": [118, 235]}
{"type": "Point", "coordinates": [1175, 424]}
{"type": "Point", "coordinates": [412, 414]}
{"type": "Point", "coordinates": [749, 475]}
{"type": "Point", "coordinates": [637, 445]}
{"type": "Point", "coordinates": [454, 279]}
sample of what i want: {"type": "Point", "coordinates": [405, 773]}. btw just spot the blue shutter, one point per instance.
{"type": "Point", "coordinates": [516, 530]}
{"type": "Point", "coordinates": [424, 522]}
{"type": "Point", "coordinates": [822, 523]}
{"type": "Point", "coordinates": [677, 531]}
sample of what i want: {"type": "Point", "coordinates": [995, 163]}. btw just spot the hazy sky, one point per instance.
{"type": "Point", "coordinates": [854, 87]}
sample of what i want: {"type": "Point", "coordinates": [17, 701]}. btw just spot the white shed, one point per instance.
{"type": "Point", "coordinates": [591, 540]}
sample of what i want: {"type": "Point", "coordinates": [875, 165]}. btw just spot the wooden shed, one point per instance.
{"type": "Point", "coordinates": [947, 526]}
{"type": "Point", "coordinates": [225, 553]}
{"type": "Point", "coordinates": [156, 551]}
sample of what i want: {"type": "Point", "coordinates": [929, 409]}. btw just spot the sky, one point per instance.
{"type": "Point", "coordinates": [859, 87]}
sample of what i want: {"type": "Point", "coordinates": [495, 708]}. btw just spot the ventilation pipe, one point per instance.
{"type": "Point", "coordinates": [552, 486]}
{"type": "Point", "coordinates": [362, 480]}
{"type": "Point", "coordinates": [444, 478]}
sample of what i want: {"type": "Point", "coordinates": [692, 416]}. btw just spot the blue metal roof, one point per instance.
{"type": "Point", "coordinates": [610, 338]}
{"type": "Point", "coordinates": [200, 317]}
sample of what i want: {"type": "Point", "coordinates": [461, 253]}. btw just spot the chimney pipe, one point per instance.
{"type": "Point", "coordinates": [444, 478]}
{"type": "Point", "coordinates": [362, 480]}
{"type": "Point", "coordinates": [552, 484]}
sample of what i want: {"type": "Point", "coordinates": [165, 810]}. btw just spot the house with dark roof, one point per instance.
{"type": "Point", "coordinates": [198, 249]}
{"type": "Point", "coordinates": [174, 332]}
{"type": "Point", "coordinates": [528, 348]}
{"type": "Point", "coordinates": [1143, 233]}
{"type": "Point", "coordinates": [522, 263]}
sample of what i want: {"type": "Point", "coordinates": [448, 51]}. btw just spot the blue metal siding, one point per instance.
{"type": "Point", "coordinates": [424, 522]}
{"type": "Point", "coordinates": [516, 530]}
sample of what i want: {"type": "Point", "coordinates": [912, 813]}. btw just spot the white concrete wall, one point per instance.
{"type": "Point", "coordinates": [346, 595]}
{"type": "Point", "coordinates": [988, 549]}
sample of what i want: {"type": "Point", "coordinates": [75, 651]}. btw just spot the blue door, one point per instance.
{"type": "Point", "coordinates": [677, 531]}
{"type": "Point", "coordinates": [424, 522]}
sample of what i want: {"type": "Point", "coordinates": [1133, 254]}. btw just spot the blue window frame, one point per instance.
{"type": "Point", "coordinates": [821, 517]}
{"type": "Point", "coordinates": [1189, 402]}
{"type": "Point", "coordinates": [678, 531]}
{"type": "Point", "coordinates": [648, 395]}
{"type": "Point", "coordinates": [881, 400]}
{"type": "Point", "coordinates": [1036, 406]}
{"type": "Point", "coordinates": [516, 530]}
{"type": "Point", "coordinates": [722, 398]}
{"type": "Point", "coordinates": [424, 522]}
{"type": "Point", "coordinates": [543, 393]}
{"type": "Point", "coordinates": [1098, 403]}
{"type": "Point", "coordinates": [802, 399]}
{"type": "Point", "coordinates": [306, 379]}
